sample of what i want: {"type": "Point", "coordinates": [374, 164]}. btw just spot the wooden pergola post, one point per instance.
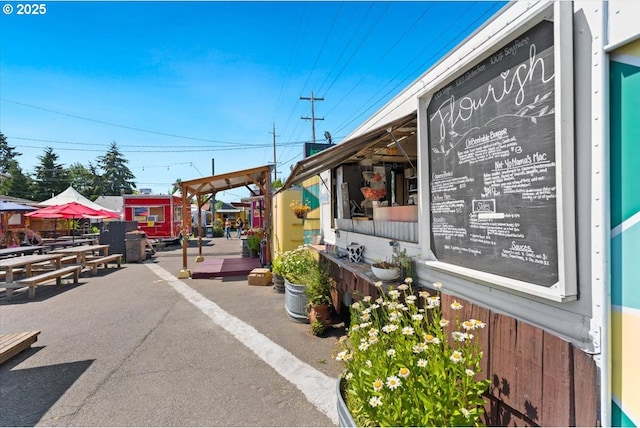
{"type": "Point", "coordinates": [185, 272]}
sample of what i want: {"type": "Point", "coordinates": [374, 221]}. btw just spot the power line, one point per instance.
{"type": "Point", "coordinates": [182, 149]}
{"type": "Point", "coordinates": [132, 128]}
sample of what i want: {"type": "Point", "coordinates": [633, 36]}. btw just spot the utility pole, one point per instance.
{"type": "Point", "coordinates": [313, 118]}
{"type": "Point", "coordinates": [275, 165]}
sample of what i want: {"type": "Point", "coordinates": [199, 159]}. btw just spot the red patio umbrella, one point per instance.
{"type": "Point", "coordinates": [71, 210]}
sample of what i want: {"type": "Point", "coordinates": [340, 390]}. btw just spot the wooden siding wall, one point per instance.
{"type": "Point", "coordinates": [538, 379]}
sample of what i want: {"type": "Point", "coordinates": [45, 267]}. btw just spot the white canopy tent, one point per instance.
{"type": "Point", "coordinates": [72, 195]}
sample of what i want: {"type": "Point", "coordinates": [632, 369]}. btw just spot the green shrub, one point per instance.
{"type": "Point", "coordinates": [296, 264]}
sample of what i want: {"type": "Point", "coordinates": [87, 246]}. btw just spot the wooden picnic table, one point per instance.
{"type": "Point", "coordinates": [70, 243]}
{"type": "Point", "coordinates": [23, 250]}
{"type": "Point", "coordinates": [82, 251]}
{"type": "Point", "coordinates": [26, 262]}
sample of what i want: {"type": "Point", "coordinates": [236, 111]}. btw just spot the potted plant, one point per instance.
{"type": "Point", "coordinates": [254, 237]}
{"type": "Point", "coordinates": [276, 270]}
{"type": "Point", "coordinates": [318, 291]}
{"type": "Point", "coordinates": [299, 208]}
{"type": "Point", "coordinates": [400, 354]}
{"type": "Point", "coordinates": [385, 271]}
{"type": "Point", "coordinates": [296, 264]}
{"type": "Point", "coordinates": [405, 262]}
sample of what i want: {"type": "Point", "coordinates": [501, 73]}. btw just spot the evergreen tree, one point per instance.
{"type": "Point", "coordinates": [51, 177]}
{"type": "Point", "coordinates": [82, 179]}
{"type": "Point", "coordinates": [17, 184]}
{"type": "Point", "coordinates": [96, 182]}
{"type": "Point", "coordinates": [8, 155]}
{"type": "Point", "coordinates": [176, 186]}
{"type": "Point", "coordinates": [116, 176]}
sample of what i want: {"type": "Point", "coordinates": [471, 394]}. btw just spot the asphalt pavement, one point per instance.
{"type": "Point", "coordinates": [138, 347]}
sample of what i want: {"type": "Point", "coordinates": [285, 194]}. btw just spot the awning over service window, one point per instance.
{"type": "Point", "coordinates": [354, 149]}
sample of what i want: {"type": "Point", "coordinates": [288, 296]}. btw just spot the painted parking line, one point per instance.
{"type": "Point", "coordinates": [318, 388]}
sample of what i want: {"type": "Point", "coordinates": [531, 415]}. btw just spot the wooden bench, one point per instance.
{"type": "Point", "coordinates": [17, 271]}
{"type": "Point", "coordinates": [12, 344]}
{"type": "Point", "coordinates": [94, 263]}
{"type": "Point", "coordinates": [33, 281]}
{"type": "Point", "coordinates": [68, 259]}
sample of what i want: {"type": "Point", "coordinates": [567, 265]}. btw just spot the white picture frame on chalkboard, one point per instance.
{"type": "Point", "coordinates": [496, 128]}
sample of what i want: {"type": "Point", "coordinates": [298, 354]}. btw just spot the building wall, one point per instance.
{"type": "Point", "coordinates": [311, 197]}
{"type": "Point", "coordinates": [287, 228]}
{"type": "Point", "coordinates": [625, 232]}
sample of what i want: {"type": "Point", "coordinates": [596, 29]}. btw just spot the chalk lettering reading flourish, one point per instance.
{"type": "Point", "coordinates": [451, 111]}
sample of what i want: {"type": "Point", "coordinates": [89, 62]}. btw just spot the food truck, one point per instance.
{"type": "Point", "coordinates": [159, 216]}
{"type": "Point", "coordinates": [509, 171]}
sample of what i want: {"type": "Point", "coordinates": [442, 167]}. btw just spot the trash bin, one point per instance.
{"type": "Point", "coordinates": [135, 246]}
{"type": "Point", "coordinates": [210, 231]}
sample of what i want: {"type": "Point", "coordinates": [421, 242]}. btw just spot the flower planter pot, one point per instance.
{"type": "Point", "coordinates": [296, 303]}
{"type": "Point", "coordinates": [385, 274]}
{"type": "Point", "coordinates": [344, 416]}
{"type": "Point", "coordinates": [253, 253]}
{"type": "Point", "coordinates": [278, 283]}
{"type": "Point", "coordinates": [321, 313]}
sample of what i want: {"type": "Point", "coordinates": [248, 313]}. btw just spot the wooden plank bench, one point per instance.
{"type": "Point", "coordinates": [94, 263]}
{"type": "Point", "coordinates": [14, 343]}
{"type": "Point", "coordinates": [33, 281]}
{"type": "Point", "coordinates": [17, 271]}
{"type": "Point", "coordinates": [68, 259]}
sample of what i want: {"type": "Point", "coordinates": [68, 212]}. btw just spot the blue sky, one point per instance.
{"type": "Point", "coordinates": [177, 84]}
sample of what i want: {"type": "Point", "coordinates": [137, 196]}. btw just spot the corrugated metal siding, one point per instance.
{"type": "Point", "coordinates": [398, 230]}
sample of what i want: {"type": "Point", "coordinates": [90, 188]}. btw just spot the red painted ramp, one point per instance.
{"type": "Point", "coordinates": [217, 268]}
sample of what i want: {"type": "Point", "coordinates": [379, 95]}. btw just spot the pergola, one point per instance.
{"type": "Point", "coordinates": [204, 189]}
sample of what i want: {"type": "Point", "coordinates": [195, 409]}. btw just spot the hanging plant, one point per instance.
{"type": "Point", "coordinates": [299, 208]}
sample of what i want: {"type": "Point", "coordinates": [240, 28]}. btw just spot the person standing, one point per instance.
{"type": "Point", "coordinates": [239, 225]}
{"type": "Point", "coordinates": [227, 228]}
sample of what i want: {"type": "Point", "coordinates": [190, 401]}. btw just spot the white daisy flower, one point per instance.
{"type": "Point", "coordinates": [404, 372]}
{"type": "Point", "coordinates": [393, 382]}
{"type": "Point", "coordinates": [456, 357]}
{"type": "Point", "coordinates": [422, 362]}
{"type": "Point", "coordinates": [408, 331]}
{"type": "Point", "coordinates": [456, 306]}
{"type": "Point", "coordinates": [375, 401]}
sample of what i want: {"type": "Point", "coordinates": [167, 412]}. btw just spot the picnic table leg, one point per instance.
{"type": "Point", "coordinates": [58, 263]}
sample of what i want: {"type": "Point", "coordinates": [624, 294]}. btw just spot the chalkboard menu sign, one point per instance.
{"type": "Point", "coordinates": [492, 156]}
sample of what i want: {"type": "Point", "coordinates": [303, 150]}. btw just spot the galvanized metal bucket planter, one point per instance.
{"type": "Point", "coordinates": [296, 302]}
{"type": "Point", "coordinates": [344, 417]}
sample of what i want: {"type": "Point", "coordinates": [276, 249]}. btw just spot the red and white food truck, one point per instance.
{"type": "Point", "coordinates": [159, 216]}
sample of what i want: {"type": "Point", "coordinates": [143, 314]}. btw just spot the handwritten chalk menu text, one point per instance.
{"type": "Point", "coordinates": [492, 164]}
